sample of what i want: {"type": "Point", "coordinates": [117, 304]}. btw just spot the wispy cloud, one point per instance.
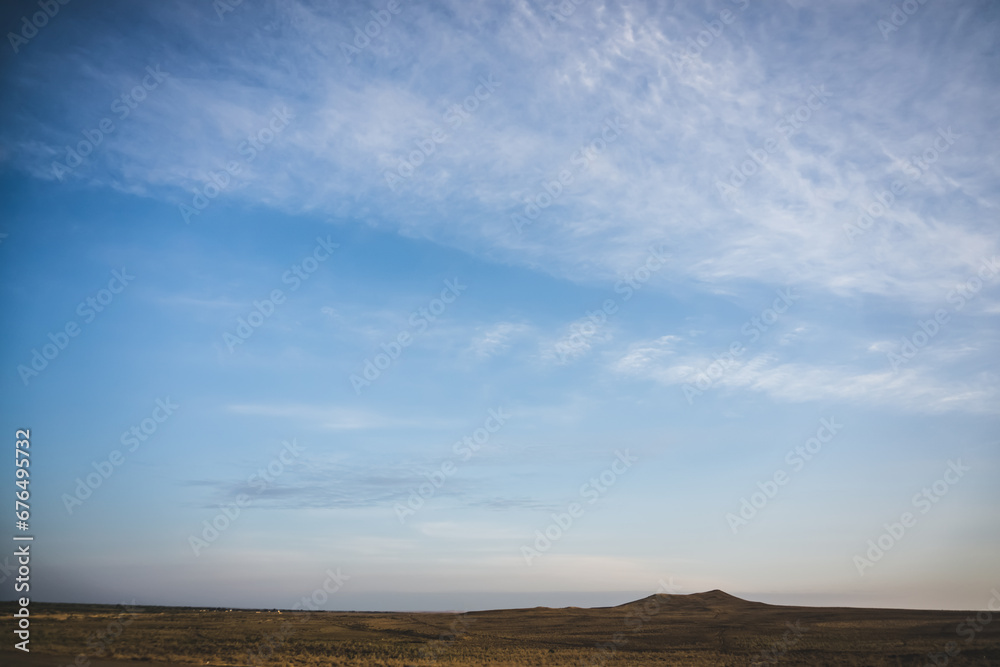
{"type": "Point", "coordinates": [916, 389]}
{"type": "Point", "coordinates": [688, 127]}
{"type": "Point", "coordinates": [496, 339]}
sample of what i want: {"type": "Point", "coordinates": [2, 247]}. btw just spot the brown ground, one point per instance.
{"type": "Point", "coordinates": [703, 629]}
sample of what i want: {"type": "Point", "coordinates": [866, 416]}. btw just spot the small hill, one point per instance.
{"type": "Point", "coordinates": [714, 600]}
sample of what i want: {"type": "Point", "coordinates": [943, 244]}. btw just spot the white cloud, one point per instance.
{"type": "Point", "coordinates": [496, 339]}
{"type": "Point", "coordinates": [911, 388]}
{"type": "Point", "coordinates": [577, 340]}
{"type": "Point", "coordinates": [687, 127]}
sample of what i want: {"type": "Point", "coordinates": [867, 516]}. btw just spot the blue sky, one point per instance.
{"type": "Point", "coordinates": [708, 293]}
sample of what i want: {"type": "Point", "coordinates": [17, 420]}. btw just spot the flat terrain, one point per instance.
{"type": "Point", "coordinates": [702, 629]}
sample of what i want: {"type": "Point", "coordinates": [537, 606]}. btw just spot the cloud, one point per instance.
{"type": "Point", "coordinates": [641, 356]}
{"type": "Point", "coordinates": [312, 483]}
{"type": "Point", "coordinates": [496, 339]}
{"type": "Point", "coordinates": [578, 339]}
{"type": "Point", "coordinates": [689, 123]}
{"type": "Point", "coordinates": [914, 389]}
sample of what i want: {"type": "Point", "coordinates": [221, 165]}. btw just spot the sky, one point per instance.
{"type": "Point", "coordinates": [467, 305]}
